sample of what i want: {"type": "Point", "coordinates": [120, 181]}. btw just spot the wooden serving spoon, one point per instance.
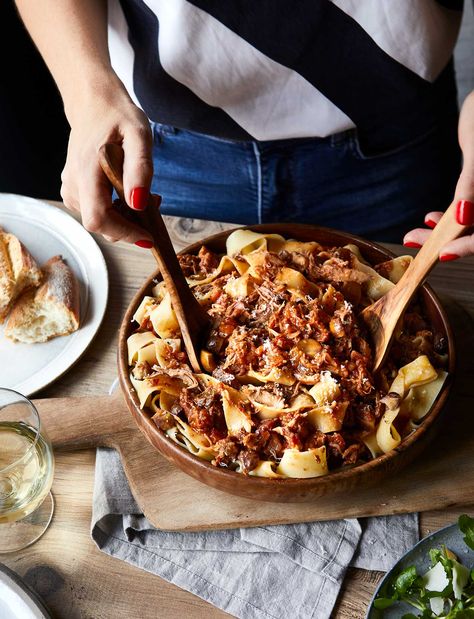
{"type": "Point", "coordinates": [192, 318]}
{"type": "Point", "coordinates": [382, 317]}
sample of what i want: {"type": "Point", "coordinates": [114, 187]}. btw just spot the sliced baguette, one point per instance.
{"type": "Point", "coordinates": [49, 311]}
{"type": "Point", "coordinates": [18, 271]}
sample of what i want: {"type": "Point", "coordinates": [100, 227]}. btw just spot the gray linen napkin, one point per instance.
{"type": "Point", "coordinates": [269, 572]}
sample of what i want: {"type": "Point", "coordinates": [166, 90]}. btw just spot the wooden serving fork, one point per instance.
{"type": "Point", "coordinates": [192, 318]}
{"type": "Point", "coordinates": [382, 317]}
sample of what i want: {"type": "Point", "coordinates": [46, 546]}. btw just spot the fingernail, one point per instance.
{"type": "Point", "coordinates": [145, 244]}
{"type": "Point", "coordinates": [465, 213]}
{"type": "Point", "coordinates": [412, 244]}
{"type": "Point", "coordinates": [430, 223]}
{"type": "Point", "coordinates": [448, 257]}
{"type": "Point", "coordinates": [139, 198]}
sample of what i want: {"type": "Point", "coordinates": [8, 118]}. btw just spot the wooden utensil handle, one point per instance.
{"type": "Point", "coordinates": [445, 231]}
{"type": "Point", "coordinates": [84, 422]}
{"type": "Point", "coordinates": [191, 318]}
{"type": "Point", "coordinates": [111, 158]}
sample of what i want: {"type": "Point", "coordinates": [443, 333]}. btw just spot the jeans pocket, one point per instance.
{"type": "Point", "coordinates": [358, 151]}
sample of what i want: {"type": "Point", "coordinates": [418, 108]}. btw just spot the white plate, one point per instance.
{"type": "Point", "coordinates": [47, 231]}
{"type": "Point", "coordinates": [16, 601]}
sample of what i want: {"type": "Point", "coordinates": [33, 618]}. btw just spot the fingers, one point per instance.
{"type": "Point", "coordinates": [432, 218]}
{"type": "Point", "coordinates": [138, 165]}
{"type": "Point", "coordinates": [98, 215]}
{"type": "Point", "coordinates": [463, 246]}
{"type": "Point", "coordinates": [465, 184]}
{"type": "Point", "coordinates": [416, 238]}
{"type": "Point", "coordinates": [68, 193]}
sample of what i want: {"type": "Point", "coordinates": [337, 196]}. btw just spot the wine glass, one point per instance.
{"type": "Point", "coordinates": [26, 473]}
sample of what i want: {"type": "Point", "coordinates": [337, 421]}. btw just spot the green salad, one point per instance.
{"type": "Point", "coordinates": [445, 591]}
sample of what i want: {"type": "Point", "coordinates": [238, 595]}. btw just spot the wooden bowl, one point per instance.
{"type": "Point", "coordinates": [291, 490]}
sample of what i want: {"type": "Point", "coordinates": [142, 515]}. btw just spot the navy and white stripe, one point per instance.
{"type": "Point", "coordinates": [274, 69]}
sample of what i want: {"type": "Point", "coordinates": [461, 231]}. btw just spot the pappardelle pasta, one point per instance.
{"type": "Point", "coordinates": [286, 388]}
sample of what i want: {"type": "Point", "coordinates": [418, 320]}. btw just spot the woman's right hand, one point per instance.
{"type": "Point", "coordinates": [97, 118]}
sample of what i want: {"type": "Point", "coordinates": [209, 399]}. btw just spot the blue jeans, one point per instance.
{"type": "Point", "coordinates": [325, 181]}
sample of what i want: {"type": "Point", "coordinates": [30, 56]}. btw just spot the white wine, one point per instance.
{"type": "Point", "coordinates": [26, 470]}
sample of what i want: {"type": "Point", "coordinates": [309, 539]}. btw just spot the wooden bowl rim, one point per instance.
{"type": "Point", "coordinates": [223, 476]}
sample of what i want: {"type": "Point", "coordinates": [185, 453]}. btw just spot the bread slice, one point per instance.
{"type": "Point", "coordinates": [49, 311]}
{"type": "Point", "coordinates": [18, 271]}
{"type": "Point", "coordinates": [7, 281]}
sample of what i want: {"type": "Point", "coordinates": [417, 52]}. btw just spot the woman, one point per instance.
{"type": "Point", "coordinates": [337, 113]}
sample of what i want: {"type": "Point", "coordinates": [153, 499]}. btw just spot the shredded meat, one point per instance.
{"type": "Point", "coordinates": [190, 264]}
{"type": "Point", "coordinates": [204, 412]}
{"type": "Point", "coordinates": [164, 420]}
{"type": "Point", "coordinates": [141, 370]}
{"type": "Point", "coordinates": [227, 450]}
{"type": "Point", "coordinates": [248, 459]}
{"type": "Point", "coordinates": [352, 454]}
{"type": "Point", "coordinates": [225, 377]}
{"type": "Point", "coordinates": [208, 261]}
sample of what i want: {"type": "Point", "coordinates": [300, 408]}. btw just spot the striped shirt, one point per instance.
{"type": "Point", "coordinates": [278, 69]}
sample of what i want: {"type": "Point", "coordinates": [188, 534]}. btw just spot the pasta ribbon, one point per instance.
{"type": "Point", "coordinates": [275, 375]}
{"type": "Point", "coordinates": [302, 464]}
{"type": "Point", "coordinates": [387, 436]}
{"type": "Point", "coordinates": [197, 444]}
{"type": "Point", "coordinates": [144, 309]}
{"type": "Point", "coordinates": [295, 281]}
{"type": "Point", "coordinates": [327, 418]}
{"type": "Point", "coordinates": [265, 468]}
{"type": "Point", "coordinates": [137, 341]}
{"type": "Point", "coordinates": [356, 251]}
{"type": "Point", "coordinates": [300, 402]}
{"type": "Point", "coordinates": [163, 349]}
{"type": "Point", "coordinates": [240, 287]}
{"type": "Point", "coordinates": [418, 372]}
{"type": "Point", "coordinates": [301, 247]}
{"type": "Point", "coordinates": [144, 389]}
{"type": "Point", "coordinates": [420, 399]}
{"type": "Point", "coordinates": [394, 269]}
{"type": "Point", "coordinates": [147, 354]}
{"type": "Point", "coordinates": [326, 390]}
{"type": "Point", "coordinates": [236, 418]}
{"type": "Point", "coordinates": [377, 286]}
{"type": "Point", "coordinates": [246, 241]}
{"type": "Point", "coordinates": [164, 319]}
{"type": "Point", "coordinates": [226, 265]}
{"type": "Point", "coordinates": [370, 442]}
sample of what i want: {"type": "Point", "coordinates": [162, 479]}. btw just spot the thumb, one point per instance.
{"type": "Point", "coordinates": [137, 165]}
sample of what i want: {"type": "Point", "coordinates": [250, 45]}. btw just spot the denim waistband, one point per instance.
{"type": "Point", "coordinates": [335, 139]}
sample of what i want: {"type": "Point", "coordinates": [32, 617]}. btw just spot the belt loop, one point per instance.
{"type": "Point", "coordinates": [343, 137]}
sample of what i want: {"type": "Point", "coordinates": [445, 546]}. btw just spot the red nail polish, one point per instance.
{"type": "Point", "coordinates": [465, 213]}
{"type": "Point", "coordinates": [139, 198]}
{"type": "Point", "coordinates": [430, 223]}
{"type": "Point", "coordinates": [412, 244]}
{"type": "Point", "coordinates": [145, 244]}
{"type": "Point", "coordinates": [448, 257]}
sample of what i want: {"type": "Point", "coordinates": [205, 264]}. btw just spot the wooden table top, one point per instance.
{"type": "Point", "coordinates": [73, 577]}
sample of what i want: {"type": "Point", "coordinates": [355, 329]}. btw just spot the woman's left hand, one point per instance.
{"type": "Point", "coordinates": [464, 246]}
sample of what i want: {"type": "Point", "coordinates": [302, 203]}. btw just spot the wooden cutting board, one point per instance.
{"type": "Point", "coordinates": [443, 476]}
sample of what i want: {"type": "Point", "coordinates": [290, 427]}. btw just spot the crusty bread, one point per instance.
{"type": "Point", "coordinates": [49, 311]}
{"type": "Point", "coordinates": [7, 282]}
{"type": "Point", "coordinates": [18, 271]}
